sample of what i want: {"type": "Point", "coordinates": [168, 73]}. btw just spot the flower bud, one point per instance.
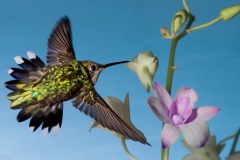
{"type": "Point", "coordinates": [230, 12]}
{"type": "Point", "coordinates": [145, 65]}
{"type": "Point", "coordinates": [164, 32]}
{"type": "Point", "coordinates": [178, 20]}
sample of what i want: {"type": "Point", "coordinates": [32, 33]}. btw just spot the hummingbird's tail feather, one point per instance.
{"type": "Point", "coordinates": [20, 97]}
{"type": "Point", "coordinates": [16, 85]}
{"type": "Point", "coordinates": [26, 95]}
{"type": "Point", "coordinates": [49, 117]}
{"type": "Point", "coordinates": [28, 112]}
{"type": "Point", "coordinates": [23, 87]}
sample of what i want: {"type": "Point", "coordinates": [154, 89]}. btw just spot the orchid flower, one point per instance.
{"type": "Point", "coordinates": [210, 151]}
{"type": "Point", "coordinates": [145, 65]}
{"type": "Point", "coordinates": [180, 117]}
{"type": "Point", "coordinates": [122, 109]}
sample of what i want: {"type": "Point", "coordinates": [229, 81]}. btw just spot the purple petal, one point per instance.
{"type": "Point", "coordinates": [163, 96]}
{"type": "Point", "coordinates": [203, 113]}
{"type": "Point", "coordinates": [179, 106]}
{"type": "Point", "coordinates": [177, 120]}
{"type": "Point", "coordinates": [187, 92]}
{"type": "Point", "coordinates": [187, 113]}
{"type": "Point", "coordinates": [170, 134]}
{"type": "Point", "coordinates": [195, 133]}
{"type": "Point", "coordinates": [160, 111]}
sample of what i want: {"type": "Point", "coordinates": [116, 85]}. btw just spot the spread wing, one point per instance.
{"type": "Point", "coordinates": [60, 50]}
{"type": "Point", "coordinates": [92, 104]}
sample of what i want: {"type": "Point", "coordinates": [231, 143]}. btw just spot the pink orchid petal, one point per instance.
{"type": "Point", "coordinates": [177, 120]}
{"type": "Point", "coordinates": [187, 92]}
{"type": "Point", "coordinates": [163, 96]}
{"type": "Point", "coordinates": [179, 106]}
{"type": "Point", "coordinates": [195, 133]}
{"type": "Point", "coordinates": [186, 114]}
{"type": "Point", "coordinates": [203, 113]}
{"type": "Point", "coordinates": [159, 110]}
{"type": "Point", "coordinates": [170, 134]}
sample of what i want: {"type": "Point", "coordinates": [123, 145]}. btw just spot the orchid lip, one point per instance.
{"type": "Point", "coordinates": [114, 63]}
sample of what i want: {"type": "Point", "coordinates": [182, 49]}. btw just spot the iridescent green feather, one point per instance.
{"type": "Point", "coordinates": [59, 83]}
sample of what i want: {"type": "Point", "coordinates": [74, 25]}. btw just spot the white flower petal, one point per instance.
{"type": "Point", "coordinates": [195, 133]}
{"type": "Point", "coordinates": [143, 79]}
{"type": "Point", "coordinates": [153, 67]}
{"type": "Point", "coordinates": [135, 59]}
{"type": "Point", "coordinates": [192, 157]}
{"type": "Point", "coordinates": [126, 110]}
{"type": "Point", "coordinates": [126, 116]}
{"type": "Point", "coordinates": [99, 126]}
{"type": "Point", "coordinates": [211, 143]}
{"type": "Point", "coordinates": [112, 102]}
{"type": "Point", "coordinates": [123, 111]}
{"type": "Point", "coordinates": [138, 70]}
{"type": "Point", "coordinates": [208, 152]}
{"type": "Point", "coordinates": [145, 58]}
{"type": "Point", "coordinates": [133, 66]}
{"type": "Point", "coordinates": [195, 151]}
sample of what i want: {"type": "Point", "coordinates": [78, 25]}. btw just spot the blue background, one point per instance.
{"type": "Point", "coordinates": [108, 31]}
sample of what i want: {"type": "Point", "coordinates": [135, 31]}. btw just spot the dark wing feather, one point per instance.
{"type": "Point", "coordinates": [93, 105]}
{"type": "Point", "coordinates": [60, 50]}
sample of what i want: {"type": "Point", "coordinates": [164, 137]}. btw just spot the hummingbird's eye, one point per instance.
{"type": "Point", "coordinates": [93, 67]}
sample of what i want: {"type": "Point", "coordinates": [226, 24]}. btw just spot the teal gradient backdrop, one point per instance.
{"type": "Point", "coordinates": [108, 31]}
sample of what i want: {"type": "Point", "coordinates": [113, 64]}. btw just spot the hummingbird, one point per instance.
{"type": "Point", "coordinates": [39, 90]}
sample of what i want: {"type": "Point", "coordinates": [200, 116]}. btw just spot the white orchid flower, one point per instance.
{"type": "Point", "coordinates": [145, 65]}
{"type": "Point", "coordinates": [210, 151]}
{"type": "Point", "coordinates": [122, 109]}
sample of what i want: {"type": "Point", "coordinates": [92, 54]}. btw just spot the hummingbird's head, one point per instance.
{"type": "Point", "coordinates": [94, 69]}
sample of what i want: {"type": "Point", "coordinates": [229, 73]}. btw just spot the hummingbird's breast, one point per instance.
{"type": "Point", "coordinates": [62, 83]}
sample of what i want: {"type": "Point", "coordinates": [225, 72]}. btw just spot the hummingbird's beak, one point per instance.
{"type": "Point", "coordinates": [114, 63]}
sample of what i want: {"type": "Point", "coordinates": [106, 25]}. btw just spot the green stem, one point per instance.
{"type": "Point", "coordinates": [186, 6]}
{"type": "Point", "coordinates": [165, 151]}
{"type": "Point", "coordinates": [125, 148]}
{"type": "Point", "coordinates": [185, 32]}
{"type": "Point", "coordinates": [235, 142]}
{"type": "Point", "coordinates": [172, 68]}
{"type": "Point", "coordinates": [226, 139]}
{"type": "Point", "coordinates": [206, 24]}
{"type": "Point", "coordinates": [171, 65]}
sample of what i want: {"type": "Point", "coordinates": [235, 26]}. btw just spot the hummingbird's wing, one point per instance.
{"type": "Point", "coordinates": [92, 104]}
{"type": "Point", "coordinates": [60, 50]}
